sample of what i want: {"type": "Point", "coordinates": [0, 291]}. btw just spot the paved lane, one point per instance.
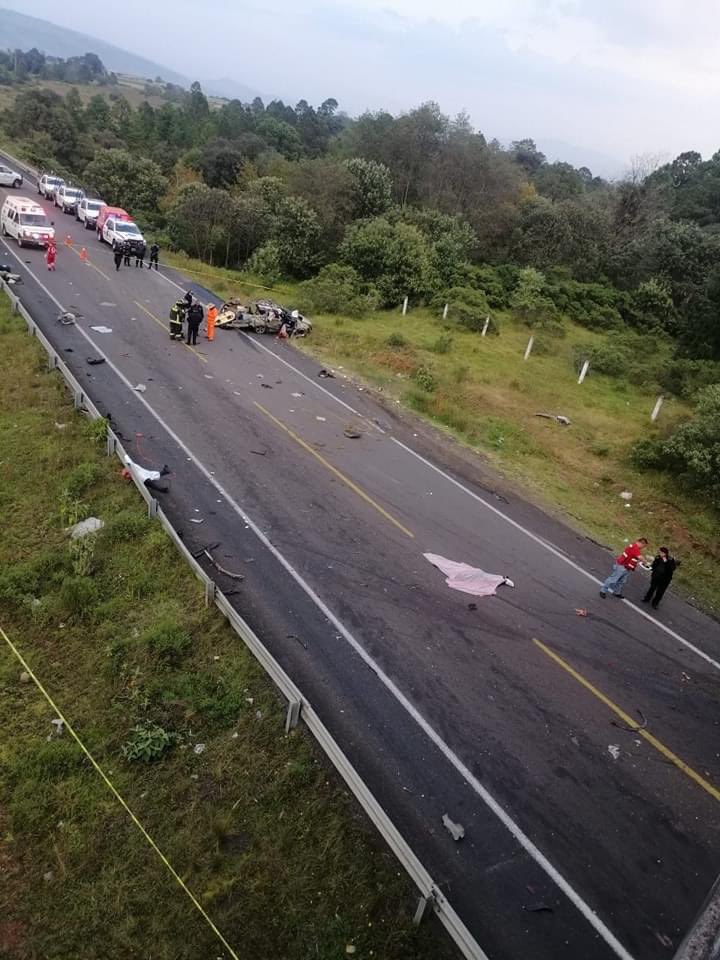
{"type": "Point", "coordinates": [636, 835]}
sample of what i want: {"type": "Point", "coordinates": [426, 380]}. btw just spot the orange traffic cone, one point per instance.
{"type": "Point", "coordinates": [68, 240]}
{"type": "Point", "coordinates": [83, 255]}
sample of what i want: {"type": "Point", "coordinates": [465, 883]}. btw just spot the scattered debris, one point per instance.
{"type": "Point", "coordinates": [614, 750]}
{"type": "Point", "coordinates": [59, 726]}
{"type": "Point", "coordinates": [91, 525]}
{"type": "Point", "coordinates": [537, 907]}
{"type": "Point", "coordinates": [352, 433]}
{"type": "Point", "coordinates": [195, 520]}
{"type": "Point", "coordinates": [557, 417]}
{"type": "Point", "coordinates": [350, 948]}
{"type": "Point", "coordinates": [69, 350]}
{"type": "Point", "coordinates": [472, 606]}
{"type": "Point", "coordinates": [456, 830]}
{"type": "Point", "coordinates": [106, 303]}
{"type": "Point", "coordinates": [199, 748]}
{"type": "Point", "coordinates": [140, 387]}
{"type": "Point", "coordinates": [321, 419]}
{"type": "Point", "coordinates": [60, 426]}
{"type": "Point", "coordinates": [266, 386]}
{"type": "Point", "coordinates": [581, 611]}
{"type": "Point", "coordinates": [260, 453]}
{"type": "Point", "coordinates": [258, 714]}
{"type": "Point", "coordinates": [24, 677]}
{"type": "Point", "coordinates": [326, 374]}
{"type": "Point", "coordinates": [66, 318]}
{"type": "Point", "coordinates": [94, 361]}
{"type": "Point", "coordinates": [664, 940]}
{"type": "Point", "coordinates": [626, 495]}
{"type": "Point", "coordinates": [297, 394]}
{"type": "Point", "coordinates": [227, 573]}
{"type": "Point", "coordinates": [49, 876]}
{"type": "Point", "coordinates": [461, 576]}
{"type": "Point", "coordinates": [684, 677]}
{"type": "Point", "coordinates": [100, 329]}
{"type": "Point", "coordinates": [209, 376]}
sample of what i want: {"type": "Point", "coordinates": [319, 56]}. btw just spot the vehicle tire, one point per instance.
{"type": "Point", "coordinates": [259, 328]}
{"type": "Point", "coordinates": [17, 184]}
{"type": "Point", "coordinates": [4, 231]}
{"type": "Point", "coordinates": [19, 240]}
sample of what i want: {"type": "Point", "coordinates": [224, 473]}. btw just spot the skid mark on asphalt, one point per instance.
{"type": "Point", "coordinates": [341, 476]}
{"type": "Point", "coordinates": [632, 724]}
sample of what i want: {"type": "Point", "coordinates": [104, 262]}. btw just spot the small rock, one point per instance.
{"type": "Point", "coordinates": [24, 677]}
{"type": "Point", "coordinates": [258, 715]}
{"type": "Point", "coordinates": [614, 750]}
{"type": "Point", "coordinates": [626, 495]}
{"type": "Point", "coordinates": [49, 876]}
{"type": "Point", "coordinates": [199, 748]}
{"type": "Point", "coordinates": [350, 948]}
{"type": "Point", "coordinates": [456, 830]}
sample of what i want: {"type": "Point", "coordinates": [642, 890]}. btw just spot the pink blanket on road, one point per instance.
{"type": "Point", "coordinates": [461, 576]}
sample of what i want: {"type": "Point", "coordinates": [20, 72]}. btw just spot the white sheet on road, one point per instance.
{"type": "Point", "coordinates": [461, 576]}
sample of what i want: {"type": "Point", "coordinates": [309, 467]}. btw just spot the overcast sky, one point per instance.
{"type": "Point", "coordinates": [609, 78]}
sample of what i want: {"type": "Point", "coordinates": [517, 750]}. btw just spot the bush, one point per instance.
{"type": "Point", "coordinates": [685, 378]}
{"type": "Point", "coordinates": [466, 306]}
{"type": "Point", "coordinates": [81, 478]}
{"type": "Point", "coordinates": [611, 359]}
{"type": "Point", "coordinates": [425, 379]}
{"type": "Point", "coordinates": [169, 642]}
{"type": "Point", "coordinates": [265, 263]}
{"type": "Point", "coordinates": [78, 595]}
{"type": "Point", "coordinates": [338, 289]}
{"type": "Point", "coordinates": [647, 454]}
{"type": "Point", "coordinates": [443, 344]}
{"type": "Point", "coordinates": [396, 341]}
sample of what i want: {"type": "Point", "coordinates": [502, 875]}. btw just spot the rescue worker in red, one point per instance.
{"type": "Point", "coordinates": [622, 568]}
{"type": "Point", "coordinates": [51, 255]}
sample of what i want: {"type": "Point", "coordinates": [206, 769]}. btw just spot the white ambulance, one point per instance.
{"type": "Point", "coordinates": [26, 221]}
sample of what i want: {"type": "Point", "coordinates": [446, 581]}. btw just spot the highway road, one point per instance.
{"type": "Point", "coordinates": [584, 835]}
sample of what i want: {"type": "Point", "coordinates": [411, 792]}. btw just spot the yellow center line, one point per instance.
{"type": "Point", "coordinates": [108, 783]}
{"type": "Point", "coordinates": [341, 476]}
{"type": "Point", "coordinates": [633, 724]}
{"type": "Point", "coordinates": [159, 321]}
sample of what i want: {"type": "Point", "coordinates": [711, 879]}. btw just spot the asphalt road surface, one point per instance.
{"type": "Point", "coordinates": [584, 836]}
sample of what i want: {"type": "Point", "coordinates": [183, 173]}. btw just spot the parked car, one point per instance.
{"type": "Point", "coordinates": [26, 221]}
{"type": "Point", "coordinates": [48, 184]}
{"type": "Point", "coordinates": [67, 198]}
{"type": "Point", "coordinates": [9, 177]}
{"type": "Point", "coordinates": [88, 210]}
{"type": "Point", "coordinates": [117, 232]}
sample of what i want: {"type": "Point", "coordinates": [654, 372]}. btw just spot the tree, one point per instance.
{"type": "Point", "coordinates": [128, 181]}
{"type": "Point", "coordinates": [395, 257]}
{"type": "Point", "coordinates": [220, 163]}
{"type": "Point", "coordinates": [296, 234]}
{"type": "Point", "coordinates": [526, 155]}
{"type": "Point", "coordinates": [373, 187]}
{"type": "Point", "coordinates": [530, 303]}
{"type": "Point", "coordinates": [197, 220]}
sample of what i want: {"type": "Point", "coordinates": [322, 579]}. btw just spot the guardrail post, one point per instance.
{"type": "Point", "coordinates": [293, 715]}
{"type": "Point", "coordinates": [420, 911]}
{"type": "Point", "coordinates": [78, 398]}
{"type": "Point", "coordinates": [210, 589]}
{"type": "Point", "coordinates": [15, 303]}
{"type": "Point", "coordinates": [52, 361]}
{"type": "Point", "coordinates": [152, 508]}
{"type": "Point", "coordinates": [110, 444]}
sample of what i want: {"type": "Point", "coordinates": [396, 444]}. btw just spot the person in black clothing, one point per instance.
{"type": "Point", "coordinates": [117, 257]}
{"type": "Point", "coordinates": [127, 252]}
{"type": "Point", "coordinates": [195, 317]}
{"type": "Point", "coordinates": [188, 299]}
{"type": "Point", "coordinates": [663, 568]}
{"type": "Point", "coordinates": [154, 254]}
{"type": "Point", "coordinates": [140, 256]}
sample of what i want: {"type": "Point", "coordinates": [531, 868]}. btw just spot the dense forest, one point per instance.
{"type": "Point", "coordinates": [369, 210]}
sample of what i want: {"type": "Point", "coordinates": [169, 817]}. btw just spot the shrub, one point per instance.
{"type": "Point", "coordinates": [265, 263]}
{"type": "Point", "coordinates": [611, 359]}
{"type": "Point", "coordinates": [169, 642]}
{"type": "Point", "coordinates": [96, 430]}
{"type": "Point", "coordinates": [81, 478]}
{"type": "Point", "coordinates": [78, 595]}
{"type": "Point", "coordinates": [338, 289]}
{"type": "Point", "coordinates": [466, 306]}
{"type": "Point", "coordinates": [396, 341]}
{"type": "Point", "coordinates": [443, 344]}
{"type": "Point", "coordinates": [425, 379]}
{"type": "Point", "coordinates": [147, 742]}
{"type": "Point", "coordinates": [685, 378]}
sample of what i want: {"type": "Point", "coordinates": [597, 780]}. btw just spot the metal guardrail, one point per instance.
{"type": "Point", "coordinates": [298, 707]}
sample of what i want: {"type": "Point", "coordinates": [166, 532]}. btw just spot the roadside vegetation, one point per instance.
{"type": "Point", "coordinates": [350, 216]}
{"type": "Point", "coordinates": [182, 720]}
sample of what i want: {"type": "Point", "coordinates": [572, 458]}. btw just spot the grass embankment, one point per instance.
{"type": "Point", "coordinates": [256, 823]}
{"type": "Point", "coordinates": [488, 396]}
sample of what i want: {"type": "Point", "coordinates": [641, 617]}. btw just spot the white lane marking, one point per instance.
{"type": "Point", "coordinates": [319, 386]}
{"type": "Point", "coordinates": [556, 552]}
{"type": "Point", "coordinates": [513, 828]}
{"type": "Point", "coordinates": [543, 543]}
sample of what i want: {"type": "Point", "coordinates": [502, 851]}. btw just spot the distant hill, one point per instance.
{"type": "Point", "coordinates": [18, 31]}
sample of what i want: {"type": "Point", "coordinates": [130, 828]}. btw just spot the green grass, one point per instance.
{"type": "Point", "coordinates": [487, 396]}
{"type": "Point", "coordinates": [257, 824]}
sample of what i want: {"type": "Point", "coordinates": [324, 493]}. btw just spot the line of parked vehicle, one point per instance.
{"type": "Point", "coordinates": [27, 221]}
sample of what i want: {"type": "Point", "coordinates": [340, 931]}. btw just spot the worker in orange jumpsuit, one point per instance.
{"type": "Point", "coordinates": [210, 318]}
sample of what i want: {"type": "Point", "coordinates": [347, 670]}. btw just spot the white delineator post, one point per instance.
{"type": "Point", "coordinates": [445, 311]}
{"type": "Point", "coordinates": [485, 326]}
{"type": "Point", "coordinates": [529, 347]}
{"type": "Point", "coordinates": [656, 409]}
{"type": "Point", "coordinates": [583, 372]}
{"type": "Point", "coordinates": [404, 308]}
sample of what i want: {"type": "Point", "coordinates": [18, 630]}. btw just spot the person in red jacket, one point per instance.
{"type": "Point", "coordinates": [622, 568]}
